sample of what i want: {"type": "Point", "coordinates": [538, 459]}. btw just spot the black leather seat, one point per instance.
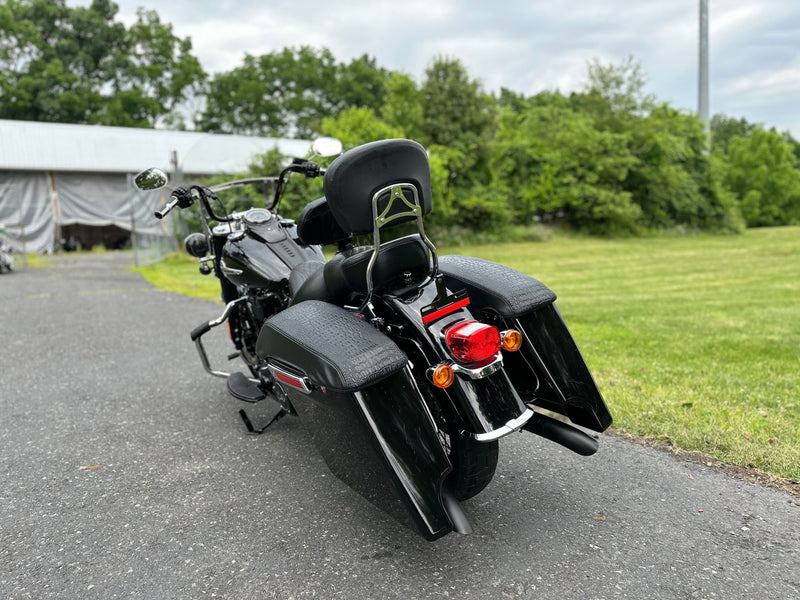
{"type": "Point", "coordinates": [401, 262]}
{"type": "Point", "coordinates": [301, 273]}
{"type": "Point", "coordinates": [350, 184]}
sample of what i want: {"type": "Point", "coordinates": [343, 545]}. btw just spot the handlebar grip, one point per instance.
{"type": "Point", "coordinates": [306, 167]}
{"type": "Point", "coordinates": [312, 169]}
{"type": "Point", "coordinates": [160, 214]}
{"type": "Point", "coordinates": [200, 330]}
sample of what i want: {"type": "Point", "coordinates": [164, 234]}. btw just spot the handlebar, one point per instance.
{"type": "Point", "coordinates": [182, 196]}
{"type": "Point", "coordinates": [221, 187]}
{"type": "Point", "coordinates": [310, 169]}
{"type": "Point", "coordinates": [160, 214]}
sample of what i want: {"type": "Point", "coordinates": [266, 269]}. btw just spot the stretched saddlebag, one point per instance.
{"type": "Point", "coordinates": [351, 388]}
{"type": "Point", "coordinates": [495, 287]}
{"type": "Point", "coordinates": [549, 371]}
{"type": "Point", "coordinates": [330, 345]}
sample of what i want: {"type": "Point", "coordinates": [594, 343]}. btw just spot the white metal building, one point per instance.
{"type": "Point", "coordinates": [53, 175]}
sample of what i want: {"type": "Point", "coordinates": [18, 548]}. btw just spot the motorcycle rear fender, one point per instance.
{"type": "Point", "coordinates": [488, 406]}
{"type": "Point", "coordinates": [549, 371]}
{"type": "Point", "coordinates": [353, 390]}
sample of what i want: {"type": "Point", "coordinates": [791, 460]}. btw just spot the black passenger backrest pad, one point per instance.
{"type": "Point", "coordinates": [353, 179]}
{"type": "Point", "coordinates": [316, 224]}
{"type": "Point", "coordinates": [404, 256]}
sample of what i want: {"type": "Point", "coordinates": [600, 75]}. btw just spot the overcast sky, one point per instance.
{"type": "Point", "coordinates": [527, 46]}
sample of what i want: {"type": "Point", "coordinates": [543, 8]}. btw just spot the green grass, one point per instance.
{"type": "Point", "coordinates": [694, 341]}
{"type": "Point", "coordinates": [179, 273]}
{"type": "Point", "coordinates": [34, 261]}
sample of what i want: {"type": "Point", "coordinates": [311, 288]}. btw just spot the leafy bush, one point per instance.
{"type": "Point", "coordinates": [761, 169]}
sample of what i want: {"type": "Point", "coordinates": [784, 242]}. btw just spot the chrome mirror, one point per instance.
{"type": "Point", "coordinates": [151, 179]}
{"type": "Point", "coordinates": [326, 146]}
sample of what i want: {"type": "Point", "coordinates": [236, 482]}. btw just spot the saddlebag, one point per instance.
{"type": "Point", "coordinates": [353, 391]}
{"type": "Point", "coordinates": [549, 371]}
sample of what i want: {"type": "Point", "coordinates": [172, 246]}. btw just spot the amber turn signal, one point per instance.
{"type": "Point", "coordinates": [512, 340]}
{"type": "Point", "coordinates": [442, 376]}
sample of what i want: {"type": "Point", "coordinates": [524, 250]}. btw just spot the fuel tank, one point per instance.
{"type": "Point", "coordinates": [265, 252]}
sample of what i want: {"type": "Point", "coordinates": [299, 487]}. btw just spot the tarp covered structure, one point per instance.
{"type": "Point", "coordinates": [53, 175]}
{"type": "Point", "coordinates": [34, 204]}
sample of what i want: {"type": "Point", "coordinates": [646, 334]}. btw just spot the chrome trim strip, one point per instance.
{"type": "Point", "coordinates": [228, 270]}
{"type": "Point", "coordinates": [304, 383]}
{"type": "Point", "coordinates": [480, 372]}
{"type": "Point", "coordinates": [510, 427]}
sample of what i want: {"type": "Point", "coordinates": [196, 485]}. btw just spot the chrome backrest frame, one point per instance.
{"type": "Point", "coordinates": [396, 194]}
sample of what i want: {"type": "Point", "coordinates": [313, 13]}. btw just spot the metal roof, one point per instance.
{"type": "Point", "coordinates": [38, 146]}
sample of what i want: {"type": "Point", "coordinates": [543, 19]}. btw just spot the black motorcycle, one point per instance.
{"type": "Point", "coordinates": [406, 367]}
{"type": "Point", "coordinates": [6, 256]}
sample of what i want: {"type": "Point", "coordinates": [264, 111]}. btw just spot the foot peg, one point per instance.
{"type": "Point", "coordinates": [242, 388]}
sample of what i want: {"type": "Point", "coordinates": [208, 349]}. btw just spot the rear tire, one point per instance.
{"type": "Point", "coordinates": [474, 464]}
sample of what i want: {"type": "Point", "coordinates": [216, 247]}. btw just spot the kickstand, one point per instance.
{"type": "Point", "coordinates": [252, 430]}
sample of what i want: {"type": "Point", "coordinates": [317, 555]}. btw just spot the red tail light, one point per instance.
{"type": "Point", "coordinates": [473, 342]}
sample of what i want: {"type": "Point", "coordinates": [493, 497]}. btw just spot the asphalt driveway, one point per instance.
{"type": "Point", "coordinates": [125, 472]}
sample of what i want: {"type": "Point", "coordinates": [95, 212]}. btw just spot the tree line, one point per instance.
{"type": "Point", "coordinates": [608, 159]}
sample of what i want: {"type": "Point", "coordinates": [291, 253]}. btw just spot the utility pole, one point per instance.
{"type": "Point", "coordinates": [702, 83]}
{"type": "Point", "coordinates": [177, 179]}
{"type": "Point", "coordinates": [134, 243]}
